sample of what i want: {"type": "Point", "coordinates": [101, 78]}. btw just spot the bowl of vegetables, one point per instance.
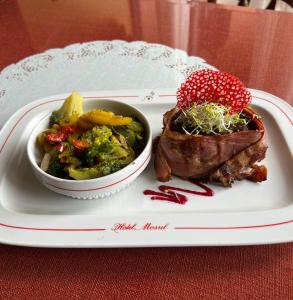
{"type": "Point", "coordinates": [91, 154]}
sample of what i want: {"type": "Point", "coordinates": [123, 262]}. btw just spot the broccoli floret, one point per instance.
{"type": "Point", "coordinates": [135, 126]}
{"type": "Point", "coordinates": [91, 154]}
{"type": "Point", "coordinates": [101, 134]}
{"type": "Point", "coordinates": [88, 136]}
{"type": "Point", "coordinates": [84, 173]}
{"type": "Point", "coordinates": [69, 111]}
{"type": "Point", "coordinates": [56, 168]}
{"type": "Point", "coordinates": [106, 151]}
{"type": "Point", "coordinates": [102, 169]}
{"type": "Point", "coordinates": [94, 150]}
{"type": "Point", "coordinates": [99, 138]}
{"type": "Point", "coordinates": [110, 166]}
{"type": "Point", "coordinates": [115, 152]}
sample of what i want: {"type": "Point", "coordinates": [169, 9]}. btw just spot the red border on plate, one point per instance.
{"type": "Point", "coordinates": [21, 117]}
{"type": "Point", "coordinates": [175, 228]}
{"type": "Point", "coordinates": [291, 121]}
{"type": "Point", "coordinates": [51, 229]}
{"type": "Point", "coordinates": [231, 227]}
{"type": "Point", "coordinates": [102, 229]}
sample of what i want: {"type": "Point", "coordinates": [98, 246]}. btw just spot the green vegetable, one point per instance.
{"type": "Point", "coordinates": [115, 152]}
{"type": "Point", "coordinates": [108, 148]}
{"type": "Point", "coordinates": [69, 111]}
{"type": "Point", "coordinates": [88, 136]}
{"type": "Point", "coordinates": [135, 126]}
{"type": "Point", "coordinates": [101, 134]}
{"type": "Point", "coordinates": [83, 173]}
{"type": "Point", "coordinates": [105, 151]}
{"type": "Point", "coordinates": [102, 169]}
{"type": "Point", "coordinates": [56, 168]}
{"type": "Point", "coordinates": [114, 165]}
{"type": "Point", "coordinates": [128, 134]}
{"type": "Point", "coordinates": [210, 118]}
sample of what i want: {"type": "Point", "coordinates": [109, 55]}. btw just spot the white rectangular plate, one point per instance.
{"type": "Point", "coordinates": [247, 213]}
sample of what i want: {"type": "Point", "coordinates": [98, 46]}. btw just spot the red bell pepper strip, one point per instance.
{"type": "Point", "coordinates": [56, 137]}
{"type": "Point", "coordinates": [80, 144]}
{"type": "Point", "coordinates": [68, 129]}
{"type": "Point", "coordinates": [60, 148]}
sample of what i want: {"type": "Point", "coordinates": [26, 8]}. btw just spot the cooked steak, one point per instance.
{"type": "Point", "coordinates": [217, 158]}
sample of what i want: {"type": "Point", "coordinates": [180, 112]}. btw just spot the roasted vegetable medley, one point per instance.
{"type": "Point", "coordinates": [88, 145]}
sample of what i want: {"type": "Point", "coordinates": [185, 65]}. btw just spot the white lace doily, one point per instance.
{"type": "Point", "coordinates": [100, 65]}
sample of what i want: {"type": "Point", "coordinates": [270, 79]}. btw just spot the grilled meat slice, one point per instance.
{"type": "Point", "coordinates": [242, 166]}
{"type": "Point", "coordinates": [219, 158]}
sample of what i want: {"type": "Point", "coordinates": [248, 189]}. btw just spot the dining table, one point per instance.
{"type": "Point", "coordinates": [49, 47]}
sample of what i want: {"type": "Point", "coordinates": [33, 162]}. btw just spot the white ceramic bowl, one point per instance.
{"type": "Point", "coordinates": [98, 187]}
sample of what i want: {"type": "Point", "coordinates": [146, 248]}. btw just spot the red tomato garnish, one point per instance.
{"type": "Point", "coordinates": [68, 129]}
{"type": "Point", "coordinates": [56, 137]}
{"type": "Point", "coordinates": [59, 148]}
{"type": "Point", "coordinates": [63, 159]}
{"type": "Point", "coordinates": [80, 144]}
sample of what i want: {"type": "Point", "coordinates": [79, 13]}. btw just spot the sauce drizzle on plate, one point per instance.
{"type": "Point", "coordinates": [167, 192]}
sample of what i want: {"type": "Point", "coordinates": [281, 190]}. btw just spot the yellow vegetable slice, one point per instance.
{"type": "Point", "coordinates": [101, 117]}
{"type": "Point", "coordinates": [115, 120]}
{"type": "Point", "coordinates": [70, 110]}
{"type": "Point", "coordinates": [101, 112]}
{"type": "Point", "coordinates": [71, 120]}
{"type": "Point", "coordinates": [91, 115]}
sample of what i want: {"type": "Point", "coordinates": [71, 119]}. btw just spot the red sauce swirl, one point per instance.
{"type": "Point", "coordinates": [167, 192]}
